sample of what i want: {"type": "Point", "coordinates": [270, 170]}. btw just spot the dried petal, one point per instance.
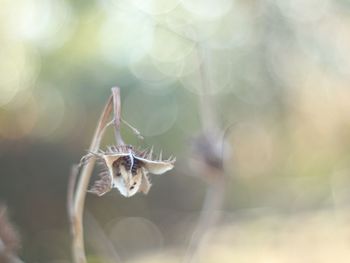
{"type": "Point", "coordinates": [127, 170]}
{"type": "Point", "coordinates": [103, 185]}
{"type": "Point", "coordinates": [157, 167]}
{"type": "Point", "coordinates": [145, 184]}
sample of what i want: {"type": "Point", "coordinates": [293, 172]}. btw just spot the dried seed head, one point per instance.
{"type": "Point", "coordinates": [126, 169]}
{"type": "Point", "coordinates": [208, 156]}
{"type": "Point", "coordinates": [209, 149]}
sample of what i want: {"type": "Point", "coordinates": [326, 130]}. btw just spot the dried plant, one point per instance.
{"type": "Point", "coordinates": [124, 168]}
{"type": "Point", "coordinates": [9, 239]}
{"type": "Point", "coordinates": [127, 170]}
{"type": "Point", "coordinates": [207, 161]}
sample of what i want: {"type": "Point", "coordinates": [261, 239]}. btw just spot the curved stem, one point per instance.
{"type": "Point", "coordinates": [78, 249]}
{"type": "Point", "coordinates": [205, 98]}
{"type": "Point", "coordinates": [209, 217]}
{"type": "Point", "coordinates": [117, 114]}
{"type": "Point", "coordinates": [210, 212]}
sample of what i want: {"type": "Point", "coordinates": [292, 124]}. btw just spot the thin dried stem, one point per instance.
{"type": "Point", "coordinates": [206, 100]}
{"type": "Point", "coordinates": [134, 130]}
{"type": "Point", "coordinates": [209, 216]}
{"type": "Point", "coordinates": [212, 161]}
{"type": "Point", "coordinates": [70, 194]}
{"type": "Point", "coordinates": [78, 200]}
{"type": "Point", "coordinates": [116, 108]}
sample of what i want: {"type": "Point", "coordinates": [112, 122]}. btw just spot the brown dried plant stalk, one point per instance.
{"type": "Point", "coordinates": [124, 168]}
{"type": "Point", "coordinates": [76, 198]}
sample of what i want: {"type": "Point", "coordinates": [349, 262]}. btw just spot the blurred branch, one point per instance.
{"type": "Point", "coordinates": [207, 161]}
{"type": "Point", "coordinates": [206, 101]}
{"type": "Point", "coordinates": [208, 151]}
{"type": "Point", "coordinates": [210, 214]}
{"type": "Point", "coordinates": [9, 239]}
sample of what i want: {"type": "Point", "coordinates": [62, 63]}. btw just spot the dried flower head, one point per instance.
{"type": "Point", "coordinates": [127, 170]}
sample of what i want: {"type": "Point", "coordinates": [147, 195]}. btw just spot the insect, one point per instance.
{"type": "Point", "coordinates": [127, 169]}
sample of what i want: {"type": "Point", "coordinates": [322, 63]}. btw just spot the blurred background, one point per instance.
{"type": "Point", "coordinates": [273, 76]}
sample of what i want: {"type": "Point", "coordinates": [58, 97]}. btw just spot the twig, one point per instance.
{"type": "Point", "coordinates": [116, 108]}
{"type": "Point", "coordinates": [206, 103]}
{"type": "Point", "coordinates": [209, 216]}
{"type": "Point", "coordinates": [78, 200]}
{"type": "Point", "coordinates": [134, 130]}
{"type": "Point", "coordinates": [70, 194]}
{"type": "Point", "coordinates": [212, 161]}
{"type": "Point", "coordinates": [9, 239]}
